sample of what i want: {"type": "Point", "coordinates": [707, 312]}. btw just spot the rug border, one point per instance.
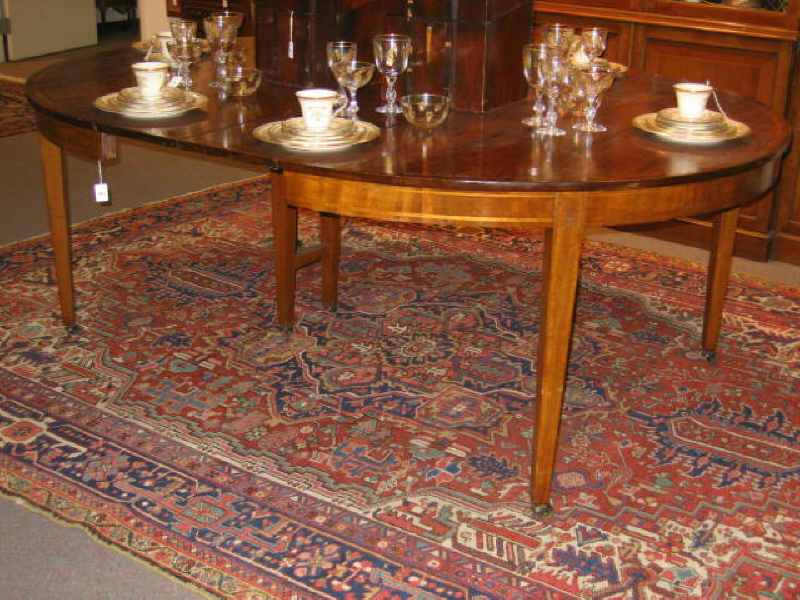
{"type": "Point", "coordinates": [95, 536]}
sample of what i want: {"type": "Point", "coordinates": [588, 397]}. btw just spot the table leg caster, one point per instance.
{"type": "Point", "coordinates": [72, 329]}
{"type": "Point", "coordinates": [710, 355]}
{"type": "Point", "coordinates": [542, 510]}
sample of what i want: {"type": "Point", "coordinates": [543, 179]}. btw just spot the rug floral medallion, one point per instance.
{"type": "Point", "coordinates": [382, 451]}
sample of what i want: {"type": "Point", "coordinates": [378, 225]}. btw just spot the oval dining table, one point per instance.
{"type": "Point", "coordinates": [476, 169]}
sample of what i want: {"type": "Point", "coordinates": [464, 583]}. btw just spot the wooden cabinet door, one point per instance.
{"type": "Point", "coordinates": [754, 67]}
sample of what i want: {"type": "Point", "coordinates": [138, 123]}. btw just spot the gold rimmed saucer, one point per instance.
{"type": "Point", "coordinates": [708, 120]}
{"type": "Point", "coordinates": [292, 135]}
{"type": "Point", "coordinates": [729, 130]}
{"type": "Point", "coordinates": [338, 129]}
{"type": "Point", "coordinates": [115, 103]}
{"type": "Point", "coordinates": [170, 97]}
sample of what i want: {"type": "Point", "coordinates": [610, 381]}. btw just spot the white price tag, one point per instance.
{"type": "Point", "coordinates": [101, 192]}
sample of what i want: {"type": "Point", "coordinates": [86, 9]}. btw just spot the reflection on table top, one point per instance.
{"type": "Point", "coordinates": [469, 151]}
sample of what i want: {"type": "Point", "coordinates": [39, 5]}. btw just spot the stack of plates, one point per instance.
{"type": "Point", "coordinates": [709, 128]}
{"type": "Point", "coordinates": [130, 103]}
{"type": "Point", "coordinates": [293, 134]}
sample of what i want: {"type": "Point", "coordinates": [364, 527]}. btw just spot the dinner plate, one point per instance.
{"type": "Point", "coordinates": [730, 130]}
{"type": "Point", "coordinates": [170, 97]}
{"type": "Point", "coordinates": [708, 120]}
{"type": "Point", "coordinates": [116, 104]}
{"type": "Point", "coordinates": [290, 134]}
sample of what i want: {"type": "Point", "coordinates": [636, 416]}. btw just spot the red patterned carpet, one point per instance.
{"type": "Point", "coordinates": [382, 452]}
{"type": "Point", "coordinates": [16, 115]}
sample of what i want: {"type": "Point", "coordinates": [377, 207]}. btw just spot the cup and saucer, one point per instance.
{"type": "Point", "coordinates": [690, 121]}
{"type": "Point", "coordinates": [319, 129]}
{"type": "Point", "coordinates": [151, 98]}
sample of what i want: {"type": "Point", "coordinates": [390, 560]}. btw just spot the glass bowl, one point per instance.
{"type": "Point", "coordinates": [242, 81]}
{"type": "Point", "coordinates": [425, 111]}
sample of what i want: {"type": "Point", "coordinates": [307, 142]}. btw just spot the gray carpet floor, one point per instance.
{"type": "Point", "coordinates": [42, 560]}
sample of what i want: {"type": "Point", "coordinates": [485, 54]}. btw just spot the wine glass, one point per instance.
{"type": "Point", "coordinates": [532, 57]}
{"type": "Point", "coordinates": [392, 51]}
{"type": "Point", "coordinates": [594, 79]}
{"type": "Point", "coordinates": [554, 67]}
{"type": "Point", "coordinates": [594, 42]}
{"type": "Point", "coordinates": [183, 29]}
{"type": "Point", "coordinates": [352, 75]}
{"type": "Point", "coordinates": [183, 51]}
{"type": "Point", "coordinates": [221, 29]}
{"type": "Point", "coordinates": [340, 51]}
{"type": "Point", "coordinates": [558, 37]}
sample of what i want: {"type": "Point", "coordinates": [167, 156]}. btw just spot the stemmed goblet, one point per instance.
{"type": "Point", "coordinates": [221, 29]}
{"type": "Point", "coordinates": [184, 53]}
{"type": "Point", "coordinates": [392, 51]}
{"type": "Point", "coordinates": [183, 29]}
{"type": "Point", "coordinates": [353, 75]}
{"type": "Point", "coordinates": [340, 51]}
{"type": "Point", "coordinates": [532, 57]}
{"type": "Point", "coordinates": [594, 42]}
{"type": "Point", "coordinates": [554, 67]}
{"type": "Point", "coordinates": [594, 78]}
{"type": "Point", "coordinates": [558, 37]}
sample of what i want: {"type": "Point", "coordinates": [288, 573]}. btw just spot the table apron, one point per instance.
{"type": "Point", "coordinates": [521, 209]}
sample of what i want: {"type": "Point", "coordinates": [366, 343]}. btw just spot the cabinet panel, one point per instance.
{"type": "Point", "coordinates": [460, 49]}
{"type": "Point", "coordinates": [752, 67]}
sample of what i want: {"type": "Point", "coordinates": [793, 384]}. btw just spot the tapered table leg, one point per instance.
{"type": "Point", "coordinates": [56, 196]}
{"type": "Point", "coordinates": [331, 234]}
{"type": "Point", "coordinates": [719, 269]}
{"type": "Point", "coordinates": [560, 271]}
{"type": "Point", "coordinates": [284, 222]}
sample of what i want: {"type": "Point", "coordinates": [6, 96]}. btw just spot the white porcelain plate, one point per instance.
{"type": "Point", "coordinates": [731, 130]}
{"type": "Point", "coordinates": [171, 104]}
{"type": "Point", "coordinates": [291, 134]}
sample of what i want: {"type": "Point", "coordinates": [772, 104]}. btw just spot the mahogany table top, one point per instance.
{"type": "Point", "coordinates": [471, 151]}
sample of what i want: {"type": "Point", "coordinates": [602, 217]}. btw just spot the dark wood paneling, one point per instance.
{"type": "Point", "coordinates": [747, 51]}
{"type": "Point", "coordinates": [199, 9]}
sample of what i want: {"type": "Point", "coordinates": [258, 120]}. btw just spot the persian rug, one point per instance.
{"type": "Point", "coordinates": [382, 451]}
{"type": "Point", "coordinates": [16, 115]}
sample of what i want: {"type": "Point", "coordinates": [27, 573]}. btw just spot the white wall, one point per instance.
{"type": "Point", "coordinates": [152, 17]}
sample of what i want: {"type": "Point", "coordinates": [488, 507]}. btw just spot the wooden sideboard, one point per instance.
{"type": "Point", "coordinates": [749, 51]}
{"type": "Point", "coordinates": [470, 50]}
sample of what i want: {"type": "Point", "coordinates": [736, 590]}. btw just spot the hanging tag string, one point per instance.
{"type": "Point", "coordinates": [99, 171]}
{"type": "Point", "coordinates": [716, 99]}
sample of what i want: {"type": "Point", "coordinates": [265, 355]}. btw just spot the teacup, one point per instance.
{"type": "Point", "coordinates": [319, 106]}
{"type": "Point", "coordinates": [150, 77]}
{"type": "Point", "coordinates": [692, 99]}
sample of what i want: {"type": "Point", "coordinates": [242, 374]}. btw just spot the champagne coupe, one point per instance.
{"type": "Point", "coordinates": [340, 51]}
{"type": "Point", "coordinates": [532, 57]}
{"type": "Point", "coordinates": [558, 37]}
{"type": "Point", "coordinates": [554, 67]}
{"type": "Point", "coordinates": [392, 51]}
{"type": "Point", "coordinates": [352, 75]}
{"type": "Point", "coordinates": [594, 79]}
{"type": "Point", "coordinates": [594, 42]}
